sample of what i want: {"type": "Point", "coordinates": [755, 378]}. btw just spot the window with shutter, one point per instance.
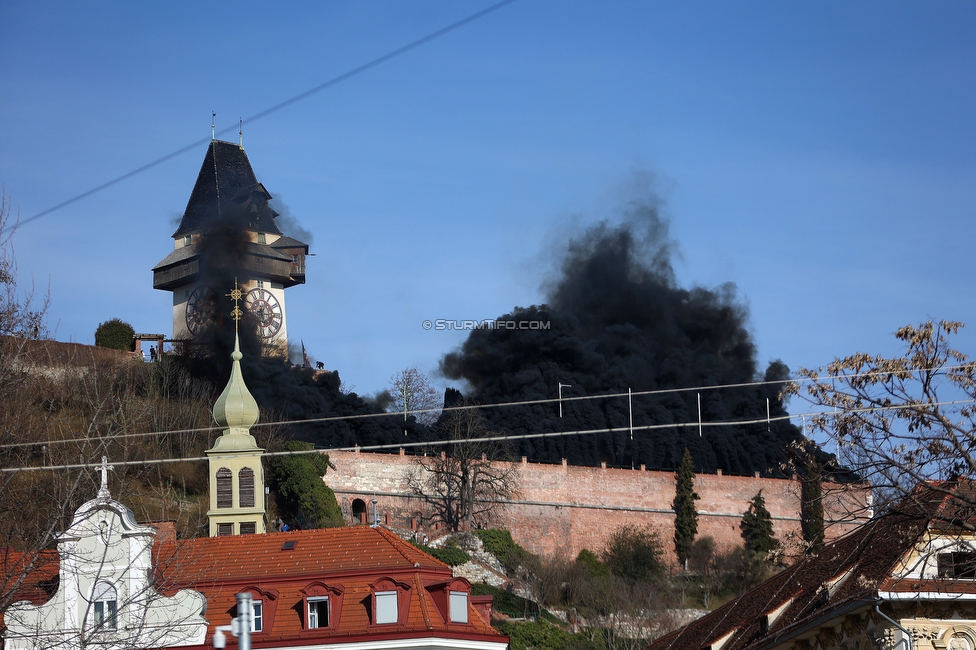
{"type": "Point", "coordinates": [225, 488]}
{"type": "Point", "coordinates": [459, 607]}
{"type": "Point", "coordinates": [245, 479]}
{"type": "Point", "coordinates": [225, 529]}
{"type": "Point", "coordinates": [248, 528]}
{"type": "Point", "coordinates": [386, 607]}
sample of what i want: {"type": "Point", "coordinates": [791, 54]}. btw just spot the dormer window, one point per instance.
{"type": "Point", "coordinates": [264, 602]}
{"type": "Point", "coordinates": [391, 601]}
{"type": "Point", "coordinates": [453, 600]}
{"type": "Point", "coordinates": [318, 612]}
{"type": "Point", "coordinates": [257, 616]}
{"type": "Point", "coordinates": [386, 607]}
{"type": "Point", "coordinates": [459, 607]}
{"type": "Point", "coordinates": [262, 238]}
{"type": "Point", "coordinates": [105, 606]}
{"type": "Point", "coordinates": [187, 240]}
{"type": "Point", "coordinates": [959, 565]}
{"type": "Point", "coordinates": [323, 605]}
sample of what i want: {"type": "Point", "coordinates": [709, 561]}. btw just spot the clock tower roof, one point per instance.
{"type": "Point", "coordinates": [226, 187]}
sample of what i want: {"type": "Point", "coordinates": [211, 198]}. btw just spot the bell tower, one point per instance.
{"type": "Point", "coordinates": [236, 473]}
{"type": "Point", "coordinates": [228, 231]}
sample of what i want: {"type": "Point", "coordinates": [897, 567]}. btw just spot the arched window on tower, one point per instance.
{"type": "Point", "coordinates": [225, 488]}
{"type": "Point", "coordinates": [245, 481]}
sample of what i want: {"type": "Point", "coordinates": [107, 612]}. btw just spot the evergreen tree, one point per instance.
{"type": "Point", "coordinates": [811, 504]}
{"type": "Point", "coordinates": [305, 500]}
{"type": "Point", "coordinates": [757, 528]}
{"type": "Point", "coordinates": [686, 517]}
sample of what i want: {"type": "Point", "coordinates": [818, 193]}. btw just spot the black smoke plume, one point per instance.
{"type": "Point", "coordinates": [283, 391]}
{"type": "Point", "coordinates": [618, 320]}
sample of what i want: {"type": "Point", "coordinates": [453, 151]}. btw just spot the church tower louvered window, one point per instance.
{"type": "Point", "coordinates": [245, 479]}
{"type": "Point", "coordinates": [225, 488]}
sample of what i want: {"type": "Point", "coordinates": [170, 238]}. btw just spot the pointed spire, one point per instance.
{"type": "Point", "coordinates": [236, 409]}
{"type": "Point", "coordinates": [213, 126]}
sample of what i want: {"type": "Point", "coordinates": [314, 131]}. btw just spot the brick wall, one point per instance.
{"type": "Point", "coordinates": [562, 509]}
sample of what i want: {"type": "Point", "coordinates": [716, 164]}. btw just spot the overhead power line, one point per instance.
{"type": "Point", "coordinates": [277, 107]}
{"type": "Point", "coordinates": [498, 438]}
{"type": "Point", "coordinates": [468, 407]}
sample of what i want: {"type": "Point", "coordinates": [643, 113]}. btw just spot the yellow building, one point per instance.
{"type": "Point", "coordinates": [236, 473]}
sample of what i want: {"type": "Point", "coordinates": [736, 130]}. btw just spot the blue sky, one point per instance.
{"type": "Point", "coordinates": [820, 156]}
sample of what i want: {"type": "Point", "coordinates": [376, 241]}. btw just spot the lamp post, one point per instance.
{"type": "Point", "coordinates": [560, 388]}
{"type": "Point", "coordinates": [239, 626]}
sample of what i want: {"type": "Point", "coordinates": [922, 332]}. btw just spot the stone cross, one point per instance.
{"type": "Point", "coordinates": [105, 467]}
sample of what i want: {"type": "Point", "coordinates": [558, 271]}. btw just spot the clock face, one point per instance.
{"type": "Point", "coordinates": [201, 309]}
{"type": "Point", "coordinates": [266, 310]}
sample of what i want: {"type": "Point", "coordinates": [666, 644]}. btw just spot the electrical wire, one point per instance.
{"type": "Point", "coordinates": [277, 107]}
{"type": "Point", "coordinates": [498, 438]}
{"type": "Point", "coordinates": [548, 400]}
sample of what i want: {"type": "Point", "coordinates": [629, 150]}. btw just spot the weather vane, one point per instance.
{"type": "Point", "coordinates": [235, 295]}
{"type": "Point", "coordinates": [213, 125]}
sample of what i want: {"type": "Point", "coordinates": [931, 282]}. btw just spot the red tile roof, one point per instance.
{"type": "Point", "coordinates": [856, 567]}
{"type": "Point", "coordinates": [349, 558]}
{"type": "Point", "coordinates": [27, 576]}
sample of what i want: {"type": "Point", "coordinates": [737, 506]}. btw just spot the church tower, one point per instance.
{"type": "Point", "coordinates": [236, 473]}
{"type": "Point", "coordinates": [228, 231]}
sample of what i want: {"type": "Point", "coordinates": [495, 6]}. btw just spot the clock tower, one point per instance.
{"type": "Point", "coordinates": [228, 231]}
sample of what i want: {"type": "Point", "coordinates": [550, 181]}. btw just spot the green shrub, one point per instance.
{"type": "Point", "coordinates": [635, 554]}
{"type": "Point", "coordinates": [499, 543]}
{"type": "Point", "coordinates": [543, 635]}
{"type": "Point", "coordinates": [449, 554]}
{"type": "Point", "coordinates": [592, 564]}
{"type": "Point", "coordinates": [115, 334]}
{"type": "Point", "coordinates": [511, 605]}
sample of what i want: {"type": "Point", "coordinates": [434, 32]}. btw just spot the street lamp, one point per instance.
{"type": "Point", "coordinates": [560, 388]}
{"type": "Point", "coordinates": [239, 626]}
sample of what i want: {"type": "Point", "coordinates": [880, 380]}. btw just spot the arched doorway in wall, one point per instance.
{"type": "Point", "coordinates": [358, 511]}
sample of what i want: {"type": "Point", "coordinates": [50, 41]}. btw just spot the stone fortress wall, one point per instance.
{"type": "Point", "coordinates": [562, 509]}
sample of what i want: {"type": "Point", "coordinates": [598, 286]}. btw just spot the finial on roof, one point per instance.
{"type": "Point", "coordinates": [236, 313]}
{"type": "Point", "coordinates": [241, 132]}
{"type": "Point", "coordinates": [236, 409]}
{"type": "Point", "coordinates": [103, 492]}
{"type": "Point", "coordinates": [213, 125]}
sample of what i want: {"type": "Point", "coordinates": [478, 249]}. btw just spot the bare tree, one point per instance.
{"type": "Point", "coordinates": [466, 483]}
{"type": "Point", "coordinates": [901, 420]}
{"type": "Point", "coordinates": [412, 394]}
